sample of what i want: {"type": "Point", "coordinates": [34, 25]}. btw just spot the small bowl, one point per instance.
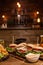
{"type": "Point", "coordinates": [32, 57]}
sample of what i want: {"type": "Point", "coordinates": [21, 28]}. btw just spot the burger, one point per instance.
{"type": "Point", "coordinates": [38, 50]}
{"type": "Point", "coordinates": [41, 56]}
{"type": "Point", "coordinates": [22, 44]}
{"type": "Point", "coordinates": [23, 49]}
{"type": "Point", "coordinates": [11, 48]}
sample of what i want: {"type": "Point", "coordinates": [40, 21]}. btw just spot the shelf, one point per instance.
{"type": "Point", "coordinates": [21, 28]}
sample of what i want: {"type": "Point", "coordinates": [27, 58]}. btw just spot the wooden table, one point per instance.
{"type": "Point", "coordinates": [15, 61]}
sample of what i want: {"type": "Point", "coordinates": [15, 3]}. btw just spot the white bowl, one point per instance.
{"type": "Point", "coordinates": [32, 57]}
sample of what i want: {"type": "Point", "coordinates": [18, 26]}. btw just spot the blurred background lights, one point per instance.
{"type": "Point", "coordinates": [38, 20]}
{"type": "Point", "coordinates": [18, 4]}
{"type": "Point", "coordinates": [18, 16]}
{"type": "Point", "coordinates": [3, 16]}
{"type": "Point", "coordinates": [37, 12]}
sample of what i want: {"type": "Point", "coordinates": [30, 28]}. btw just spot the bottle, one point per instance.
{"type": "Point", "coordinates": [37, 40]}
{"type": "Point", "coordinates": [12, 39]}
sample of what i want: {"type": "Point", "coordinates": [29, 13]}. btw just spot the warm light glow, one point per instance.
{"type": "Point", "coordinates": [18, 16]}
{"type": "Point", "coordinates": [37, 12]}
{"type": "Point", "coordinates": [18, 4]}
{"type": "Point", "coordinates": [3, 16]}
{"type": "Point", "coordinates": [38, 20]}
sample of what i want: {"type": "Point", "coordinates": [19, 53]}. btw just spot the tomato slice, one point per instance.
{"type": "Point", "coordinates": [22, 51]}
{"type": "Point", "coordinates": [29, 48]}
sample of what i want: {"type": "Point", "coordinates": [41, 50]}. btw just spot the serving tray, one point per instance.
{"type": "Point", "coordinates": [4, 58]}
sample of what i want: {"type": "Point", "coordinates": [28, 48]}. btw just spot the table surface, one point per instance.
{"type": "Point", "coordinates": [14, 61]}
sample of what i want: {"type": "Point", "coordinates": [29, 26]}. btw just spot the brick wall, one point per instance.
{"type": "Point", "coordinates": [30, 35]}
